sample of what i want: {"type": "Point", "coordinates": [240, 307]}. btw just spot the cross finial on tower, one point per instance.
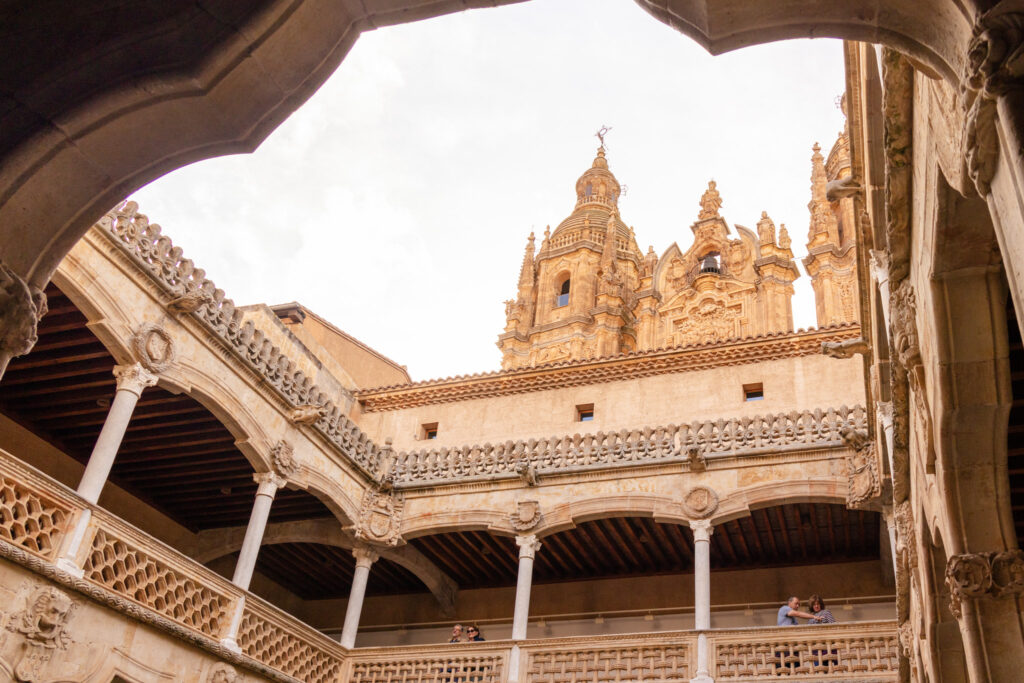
{"type": "Point", "coordinates": [601, 132]}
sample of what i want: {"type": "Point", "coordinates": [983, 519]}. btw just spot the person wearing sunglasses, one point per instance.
{"type": "Point", "coordinates": [474, 634]}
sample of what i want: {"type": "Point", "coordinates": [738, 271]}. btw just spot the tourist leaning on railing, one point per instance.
{"type": "Point", "coordinates": [822, 615]}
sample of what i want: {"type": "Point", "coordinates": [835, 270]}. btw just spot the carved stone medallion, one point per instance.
{"type": "Point", "coordinates": [700, 502]}
{"type": "Point", "coordinates": [862, 468]}
{"type": "Point", "coordinates": [283, 456]}
{"type": "Point", "coordinates": [526, 515]}
{"type": "Point", "coordinates": [380, 517]}
{"type": "Point", "coordinates": [222, 673]}
{"type": "Point", "coordinates": [43, 623]}
{"type": "Point", "coordinates": [153, 347]}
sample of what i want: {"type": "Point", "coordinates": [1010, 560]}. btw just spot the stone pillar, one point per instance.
{"type": "Point", "coordinates": [364, 558]}
{"type": "Point", "coordinates": [528, 547]}
{"type": "Point", "coordinates": [131, 380]}
{"type": "Point", "coordinates": [269, 483]}
{"type": "Point", "coordinates": [702, 531]}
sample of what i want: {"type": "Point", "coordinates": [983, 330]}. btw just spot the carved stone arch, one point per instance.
{"type": "Point", "coordinates": [330, 492]}
{"type": "Point", "coordinates": [662, 508]}
{"type": "Point", "coordinates": [430, 523]}
{"type": "Point", "coordinates": [739, 503]}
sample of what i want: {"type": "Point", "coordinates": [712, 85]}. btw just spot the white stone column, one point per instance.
{"type": "Point", "coordinates": [364, 558]}
{"type": "Point", "coordinates": [702, 531]}
{"type": "Point", "coordinates": [131, 380]}
{"type": "Point", "coordinates": [528, 547]}
{"type": "Point", "coordinates": [269, 483]}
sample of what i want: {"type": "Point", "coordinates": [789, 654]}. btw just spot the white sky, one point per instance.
{"type": "Point", "coordinates": [396, 202]}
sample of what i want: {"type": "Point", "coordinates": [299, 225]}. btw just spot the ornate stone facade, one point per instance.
{"type": "Point", "coordinates": [590, 292]}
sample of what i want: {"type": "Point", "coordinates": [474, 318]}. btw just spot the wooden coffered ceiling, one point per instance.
{"type": "Point", "coordinates": [176, 455]}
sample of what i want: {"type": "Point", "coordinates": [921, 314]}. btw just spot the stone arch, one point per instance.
{"type": "Point", "coordinates": [243, 71]}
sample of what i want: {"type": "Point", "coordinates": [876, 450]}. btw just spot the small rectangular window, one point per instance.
{"type": "Point", "coordinates": [428, 431]}
{"type": "Point", "coordinates": [563, 300]}
{"type": "Point", "coordinates": [753, 392]}
{"type": "Point", "coordinates": [585, 412]}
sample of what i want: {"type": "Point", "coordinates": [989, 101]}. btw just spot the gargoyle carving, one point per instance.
{"type": "Point", "coordinates": [845, 349]}
{"type": "Point", "coordinates": [527, 472]}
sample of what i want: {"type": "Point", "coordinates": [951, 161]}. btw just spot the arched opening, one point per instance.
{"type": "Point", "coordinates": [562, 298]}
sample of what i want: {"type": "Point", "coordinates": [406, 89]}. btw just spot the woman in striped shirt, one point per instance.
{"type": "Point", "coordinates": [821, 614]}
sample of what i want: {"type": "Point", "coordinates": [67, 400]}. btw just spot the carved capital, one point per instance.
{"type": "Point", "coordinates": [702, 529]}
{"type": "Point", "coordinates": [134, 378]}
{"type": "Point", "coordinates": [153, 347]}
{"type": "Point", "coordinates": [700, 502]}
{"type": "Point", "coordinates": [21, 308]}
{"type": "Point", "coordinates": [365, 556]}
{"type": "Point", "coordinates": [528, 546]}
{"type": "Point", "coordinates": [283, 457]}
{"type": "Point", "coordinates": [269, 483]}
{"type": "Point", "coordinates": [968, 576]}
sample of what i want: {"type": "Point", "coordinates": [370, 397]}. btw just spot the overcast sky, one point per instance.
{"type": "Point", "coordinates": [397, 201]}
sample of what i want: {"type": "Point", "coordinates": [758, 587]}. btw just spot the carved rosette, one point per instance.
{"type": "Point", "coordinates": [700, 502]}
{"type": "Point", "coordinates": [283, 456]}
{"type": "Point", "coordinates": [43, 625]}
{"type": "Point", "coordinates": [380, 517]}
{"type": "Point", "coordinates": [21, 308]}
{"type": "Point", "coordinates": [526, 516]}
{"type": "Point", "coordinates": [153, 347]}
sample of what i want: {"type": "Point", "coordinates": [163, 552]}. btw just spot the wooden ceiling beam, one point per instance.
{"type": "Point", "coordinates": [616, 550]}
{"type": "Point", "coordinates": [35, 361]}
{"type": "Point", "coordinates": [574, 538]}
{"type": "Point", "coordinates": [770, 533]}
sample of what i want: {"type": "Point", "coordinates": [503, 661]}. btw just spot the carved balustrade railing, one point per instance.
{"type": "Point", "coordinates": [156, 254]}
{"type": "Point", "coordinates": [841, 652]}
{"type": "Point", "coordinates": [820, 428]}
{"type": "Point", "coordinates": [130, 571]}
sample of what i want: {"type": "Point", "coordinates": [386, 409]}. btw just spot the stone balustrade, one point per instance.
{"type": "Point", "coordinates": [841, 652]}
{"type": "Point", "coordinates": [131, 572]}
{"type": "Point", "coordinates": [650, 445]}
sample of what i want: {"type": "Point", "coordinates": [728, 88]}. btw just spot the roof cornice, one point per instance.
{"type": "Point", "coordinates": [611, 369]}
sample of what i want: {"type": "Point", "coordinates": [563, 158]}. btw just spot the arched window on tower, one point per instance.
{"type": "Point", "coordinates": [563, 294]}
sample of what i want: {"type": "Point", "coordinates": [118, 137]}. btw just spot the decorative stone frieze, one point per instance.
{"type": "Point", "coordinates": [526, 516]}
{"type": "Point", "coordinates": [700, 502]}
{"type": "Point", "coordinates": [134, 378]}
{"type": "Point", "coordinates": [380, 517]}
{"type": "Point", "coordinates": [155, 254]}
{"type": "Point", "coordinates": [567, 373]}
{"type": "Point", "coordinates": [863, 472]}
{"type": "Point", "coordinates": [646, 446]}
{"type": "Point", "coordinates": [153, 347]}
{"type": "Point", "coordinates": [283, 457]}
{"type": "Point", "coordinates": [21, 308]}
{"type": "Point", "coordinates": [43, 625]}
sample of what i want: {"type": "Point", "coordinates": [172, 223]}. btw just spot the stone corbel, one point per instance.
{"type": "Point", "coordinates": [21, 308]}
{"type": "Point", "coordinates": [994, 68]}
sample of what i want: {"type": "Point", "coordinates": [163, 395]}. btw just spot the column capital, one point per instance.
{"type": "Point", "coordinates": [528, 546]}
{"type": "Point", "coordinates": [269, 483]}
{"type": "Point", "coordinates": [134, 378]}
{"type": "Point", "coordinates": [365, 556]}
{"type": "Point", "coordinates": [702, 529]}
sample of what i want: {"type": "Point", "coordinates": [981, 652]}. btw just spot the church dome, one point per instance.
{"type": "Point", "coordinates": [597, 196]}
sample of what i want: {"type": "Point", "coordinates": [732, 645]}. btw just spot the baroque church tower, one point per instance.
{"type": "Point", "coordinates": [590, 292]}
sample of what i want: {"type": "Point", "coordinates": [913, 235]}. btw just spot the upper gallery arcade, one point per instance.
{"type": "Point", "coordinates": [590, 292]}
